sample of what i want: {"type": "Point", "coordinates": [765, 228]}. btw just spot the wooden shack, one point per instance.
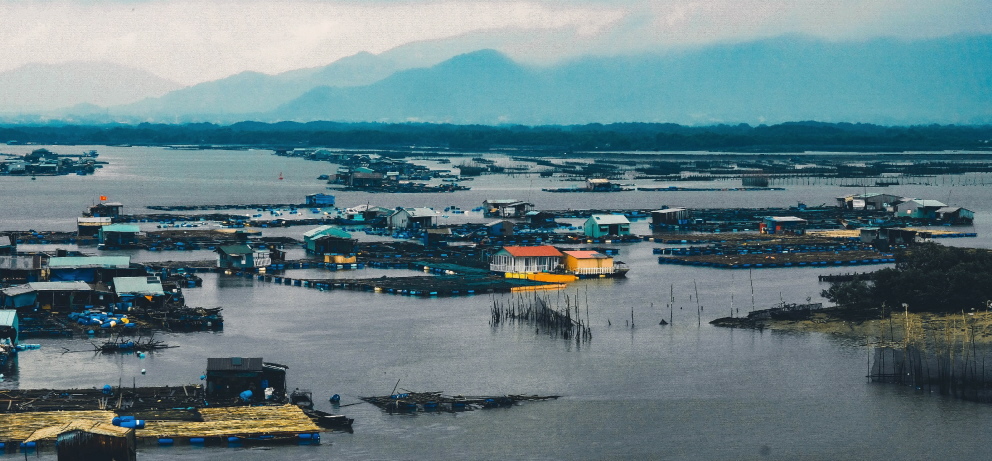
{"type": "Point", "coordinates": [88, 440]}
{"type": "Point", "coordinates": [229, 377]}
{"type": "Point", "coordinates": [677, 216]}
{"type": "Point", "coordinates": [242, 257]}
{"type": "Point", "coordinates": [119, 235]}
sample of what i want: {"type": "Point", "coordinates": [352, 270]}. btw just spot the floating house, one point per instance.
{"type": "Point", "coordinates": [141, 291]}
{"type": "Point", "coordinates": [320, 200]}
{"type": "Point", "coordinates": [869, 201]}
{"type": "Point", "coordinates": [671, 217]}
{"type": "Point", "coordinates": [89, 440]}
{"type": "Point", "coordinates": [790, 225]}
{"type": "Point", "coordinates": [334, 233]}
{"type": "Point", "coordinates": [365, 177]}
{"type": "Point", "coordinates": [503, 228]}
{"type": "Point", "coordinates": [90, 269]}
{"type": "Point", "coordinates": [51, 295]}
{"type": "Point", "coordinates": [412, 218]}
{"type": "Point", "coordinates": [118, 235]}
{"type": "Point", "coordinates": [9, 331]}
{"type": "Point", "coordinates": [918, 208]}
{"type": "Point", "coordinates": [599, 185]}
{"type": "Point", "coordinates": [955, 215]}
{"type": "Point", "coordinates": [21, 269]}
{"type": "Point", "coordinates": [601, 225]}
{"type": "Point", "coordinates": [242, 257]}
{"type": "Point", "coordinates": [105, 210]}
{"type": "Point", "coordinates": [518, 259]}
{"type": "Point", "coordinates": [504, 208]}
{"type": "Point", "coordinates": [592, 264]}
{"type": "Point", "coordinates": [231, 377]}
{"type": "Point", "coordinates": [8, 247]}
{"type": "Point", "coordinates": [885, 237]}
{"type": "Point", "coordinates": [541, 219]}
{"type": "Point", "coordinates": [90, 227]}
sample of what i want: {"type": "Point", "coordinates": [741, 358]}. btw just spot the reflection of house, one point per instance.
{"type": "Point", "coordinates": [504, 228]}
{"type": "Point", "coordinates": [783, 225]}
{"type": "Point", "coordinates": [412, 218]}
{"type": "Point", "coordinates": [118, 234]}
{"type": "Point", "coordinates": [543, 258]}
{"type": "Point", "coordinates": [89, 227]}
{"type": "Point", "coordinates": [229, 377]}
{"type": "Point", "coordinates": [242, 257]}
{"type": "Point", "coordinates": [670, 217]}
{"type": "Point", "coordinates": [21, 269]}
{"type": "Point", "coordinates": [600, 225]}
{"type": "Point", "coordinates": [504, 208]}
{"type": "Point", "coordinates": [918, 208]}
{"type": "Point", "coordinates": [142, 291]}
{"type": "Point", "coordinates": [592, 264]}
{"type": "Point", "coordinates": [90, 269]}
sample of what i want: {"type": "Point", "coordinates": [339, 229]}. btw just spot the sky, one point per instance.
{"type": "Point", "coordinates": [192, 41]}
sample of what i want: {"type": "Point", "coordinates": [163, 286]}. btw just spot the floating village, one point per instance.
{"type": "Point", "coordinates": [504, 245]}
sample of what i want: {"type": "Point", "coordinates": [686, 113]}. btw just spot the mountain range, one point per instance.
{"type": "Point", "coordinates": [886, 81]}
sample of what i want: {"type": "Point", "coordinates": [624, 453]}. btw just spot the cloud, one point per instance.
{"type": "Point", "coordinates": [190, 41]}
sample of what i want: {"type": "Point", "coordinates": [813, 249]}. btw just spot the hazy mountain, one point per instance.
{"type": "Point", "coordinates": [945, 80]}
{"type": "Point", "coordinates": [37, 88]}
{"type": "Point", "coordinates": [249, 93]}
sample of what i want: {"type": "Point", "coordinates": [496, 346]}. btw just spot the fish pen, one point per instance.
{"type": "Point", "coordinates": [536, 310]}
{"type": "Point", "coordinates": [946, 355]}
{"type": "Point", "coordinates": [413, 402]}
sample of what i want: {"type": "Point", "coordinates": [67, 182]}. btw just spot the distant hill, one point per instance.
{"type": "Point", "coordinates": [882, 81]}
{"type": "Point", "coordinates": [246, 94]}
{"type": "Point", "coordinates": [37, 88]}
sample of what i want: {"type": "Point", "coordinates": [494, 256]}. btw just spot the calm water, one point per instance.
{"type": "Point", "coordinates": [683, 391]}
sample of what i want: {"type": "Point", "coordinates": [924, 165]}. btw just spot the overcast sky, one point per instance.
{"type": "Point", "coordinates": [190, 41]}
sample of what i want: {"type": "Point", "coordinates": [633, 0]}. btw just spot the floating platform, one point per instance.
{"type": "Point", "coordinates": [231, 426]}
{"type": "Point", "coordinates": [413, 402]}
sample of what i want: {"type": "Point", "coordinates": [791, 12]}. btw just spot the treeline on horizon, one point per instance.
{"type": "Point", "coordinates": [785, 137]}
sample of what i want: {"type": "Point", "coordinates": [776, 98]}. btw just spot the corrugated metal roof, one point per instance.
{"type": "Point", "coordinates": [420, 212]}
{"type": "Point", "coordinates": [138, 286]}
{"type": "Point", "coordinates": [543, 250]}
{"type": "Point", "coordinates": [929, 203]}
{"type": "Point", "coordinates": [785, 219]}
{"type": "Point", "coordinates": [610, 219]}
{"type": "Point", "coordinates": [501, 201]}
{"type": "Point", "coordinates": [236, 249]}
{"type": "Point", "coordinates": [333, 231]}
{"type": "Point", "coordinates": [583, 254]}
{"type": "Point", "coordinates": [48, 286]}
{"type": "Point", "coordinates": [122, 262]}
{"type": "Point", "coordinates": [669, 210]}
{"type": "Point", "coordinates": [228, 364]}
{"type": "Point", "coordinates": [98, 220]}
{"type": "Point", "coordinates": [4, 241]}
{"type": "Point", "coordinates": [128, 228]}
{"type": "Point", "coordinates": [18, 263]}
{"type": "Point", "coordinates": [8, 317]}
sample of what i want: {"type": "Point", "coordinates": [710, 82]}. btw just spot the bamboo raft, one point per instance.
{"type": "Point", "coordinates": [231, 425]}
{"type": "Point", "coordinates": [412, 402]}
